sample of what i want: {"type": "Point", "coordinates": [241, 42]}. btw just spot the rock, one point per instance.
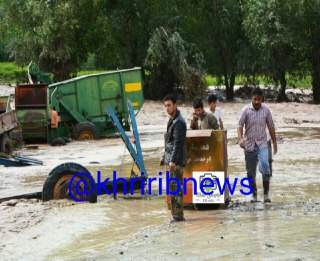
{"type": "Point", "coordinates": [10, 203]}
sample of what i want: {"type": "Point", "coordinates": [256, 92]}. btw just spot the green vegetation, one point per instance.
{"type": "Point", "coordinates": [11, 73]}
{"type": "Point", "coordinates": [293, 81]}
{"type": "Point", "coordinates": [237, 42]}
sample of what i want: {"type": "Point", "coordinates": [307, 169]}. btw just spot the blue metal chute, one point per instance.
{"type": "Point", "coordinates": [135, 154]}
{"type": "Point", "coordinates": [18, 161]}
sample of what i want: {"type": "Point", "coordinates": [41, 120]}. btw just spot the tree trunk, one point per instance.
{"type": "Point", "coordinates": [230, 94]}
{"type": "Point", "coordinates": [229, 83]}
{"type": "Point", "coordinates": [316, 80]}
{"type": "Point", "coordinates": [283, 84]}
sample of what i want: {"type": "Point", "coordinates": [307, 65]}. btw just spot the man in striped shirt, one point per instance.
{"type": "Point", "coordinates": [255, 117]}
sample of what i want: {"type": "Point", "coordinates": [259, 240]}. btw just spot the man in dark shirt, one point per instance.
{"type": "Point", "coordinates": [174, 155]}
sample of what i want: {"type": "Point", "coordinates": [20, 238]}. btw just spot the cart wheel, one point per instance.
{"type": "Point", "coordinates": [58, 142]}
{"type": "Point", "coordinates": [56, 185]}
{"type": "Point", "coordinates": [86, 131]}
{"type": "Point", "coordinates": [5, 145]}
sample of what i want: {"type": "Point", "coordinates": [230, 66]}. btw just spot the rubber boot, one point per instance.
{"type": "Point", "coordinates": [266, 184]}
{"type": "Point", "coordinates": [253, 185]}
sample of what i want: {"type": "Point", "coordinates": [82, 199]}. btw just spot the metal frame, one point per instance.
{"type": "Point", "coordinates": [135, 154]}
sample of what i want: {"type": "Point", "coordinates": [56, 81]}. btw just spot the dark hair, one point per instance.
{"type": "Point", "coordinates": [197, 103]}
{"type": "Point", "coordinates": [212, 98]}
{"type": "Point", "coordinates": [170, 97]}
{"type": "Point", "coordinates": [257, 91]}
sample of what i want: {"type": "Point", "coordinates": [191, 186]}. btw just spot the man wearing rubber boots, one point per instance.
{"type": "Point", "coordinates": [255, 117]}
{"type": "Point", "coordinates": [174, 155]}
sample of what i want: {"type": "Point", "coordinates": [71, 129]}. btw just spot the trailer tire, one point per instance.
{"type": "Point", "coordinates": [58, 142]}
{"type": "Point", "coordinates": [66, 139]}
{"type": "Point", "coordinates": [56, 185]}
{"type": "Point", "coordinates": [5, 145]}
{"type": "Point", "coordinates": [86, 131]}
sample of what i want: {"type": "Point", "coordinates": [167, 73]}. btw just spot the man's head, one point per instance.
{"type": "Point", "coordinates": [212, 101]}
{"type": "Point", "coordinates": [257, 97]}
{"type": "Point", "coordinates": [198, 107]}
{"type": "Point", "coordinates": [170, 102]}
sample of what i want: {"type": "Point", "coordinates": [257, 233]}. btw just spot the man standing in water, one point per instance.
{"type": "Point", "coordinates": [256, 117]}
{"type": "Point", "coordinates": [174, 155]}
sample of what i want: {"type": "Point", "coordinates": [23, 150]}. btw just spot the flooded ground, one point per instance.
{"type": "Point", "coordinates": [122, 229]}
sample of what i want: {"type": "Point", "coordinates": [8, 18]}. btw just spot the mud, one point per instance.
{"type": "Point", "coordinates": [122, 229]}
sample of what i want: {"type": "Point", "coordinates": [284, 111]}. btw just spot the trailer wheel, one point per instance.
{"type": "Point", "coordinates": [5, 145]}
{"type": "Point", "coordinates": [66, 139]}
{"type": "Point", "coordinates": [86, 131]}
{"type": "Point", "coordinates": [58, 142]}
{"type": "Point", "coordinates": [57, 183]}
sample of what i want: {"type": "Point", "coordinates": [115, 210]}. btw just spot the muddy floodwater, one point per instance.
{"type": "Point", "coordinates": [137, 228]}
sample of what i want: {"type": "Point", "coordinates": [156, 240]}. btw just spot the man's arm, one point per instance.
{"type": "Point", "coordinates": [194, 122]}
{"type": "Point", "coordinates": [241, 123]}
{"type": "Point", "coordinates": [221, 124]}
{"type": "Point", "coordinates": [179, 135]}
{"type": "Point", "coordinates": [213, 122]}
{"type": "Point", "coordinates": [240, 137]}
{"type": "Point", "coordinates": [272, 132]}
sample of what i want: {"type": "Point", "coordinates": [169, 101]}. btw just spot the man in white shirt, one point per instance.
{"type": "Point", "coordinates": [212, 102]}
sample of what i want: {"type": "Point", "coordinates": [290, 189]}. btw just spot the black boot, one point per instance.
{"type": "Point", "coordinates": [266, 184]}
{"type": "Point", "coordinates": [254, 188]}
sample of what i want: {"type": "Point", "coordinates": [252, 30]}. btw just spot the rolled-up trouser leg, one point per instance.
{"type": "Point", "coordinates": [177, 200]}
{"type": "Point", "coordinates": [251, 158]}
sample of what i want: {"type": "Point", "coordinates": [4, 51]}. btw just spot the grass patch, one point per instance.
{"type": "Point", "coordinates": [12, 73]}
{"type": "Point", "coordinates": [293, 80]}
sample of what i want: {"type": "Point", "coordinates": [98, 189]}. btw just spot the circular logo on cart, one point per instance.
{"type": "Point", "coordinates": [212, 184]}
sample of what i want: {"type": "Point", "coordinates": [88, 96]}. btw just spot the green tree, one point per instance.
{"type": "Point", "coordinates": [266, 25]}
{"type": "Point", "coordinates": [55, 34]}
{"type": "Point", "coordinates": [173, 63]}
{"type": "Point", "coordinates": [306, 27]}
{"type": "Point", "coordinates": [216, 28]}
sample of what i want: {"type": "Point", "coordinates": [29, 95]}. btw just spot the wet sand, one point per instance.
{"type": "Point", "coordinates": [287, 229]}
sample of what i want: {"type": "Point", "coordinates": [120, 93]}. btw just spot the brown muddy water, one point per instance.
{"type": "Point", "coordinates": [122, 229]}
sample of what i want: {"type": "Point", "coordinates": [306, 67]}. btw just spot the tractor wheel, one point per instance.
{"type": "Point", "coordinates": [58, 142]}
{"type": "Point", "coordinates": [86, 131]}
{"type": "Point", "coordinates": [57, 184]}
{"type": "Point", "coordinates": [5, 145]}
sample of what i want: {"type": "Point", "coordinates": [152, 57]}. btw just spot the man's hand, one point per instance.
{"type": "Point", "coordinates": [161, 163]}
{"type": "Point", "coordinates": [275, 147]}
{"type": "Point", "coordinates": [195, 116]}
{"type": "Point", "coordinates": [172, 166]}
{"type": "Point", "coordinates": [241, 143]}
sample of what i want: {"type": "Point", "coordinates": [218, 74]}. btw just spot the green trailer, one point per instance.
{"type": "Point", "coordinates": [81, 105]}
